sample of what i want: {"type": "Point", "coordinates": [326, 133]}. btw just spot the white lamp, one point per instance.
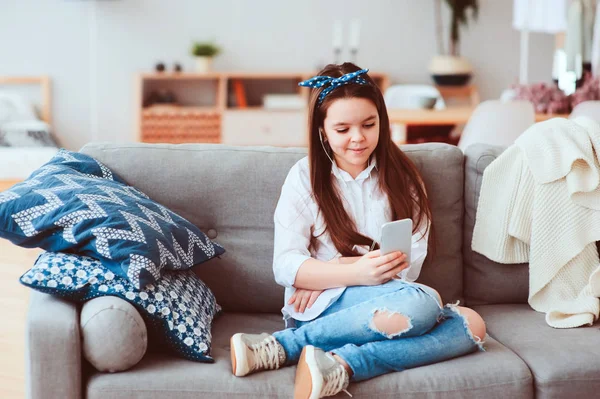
{"type": "Point", "coordinates": [547, 16]}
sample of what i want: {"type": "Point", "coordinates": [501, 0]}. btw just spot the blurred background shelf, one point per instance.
{"type": "Point", "coordinates": [225, 107]}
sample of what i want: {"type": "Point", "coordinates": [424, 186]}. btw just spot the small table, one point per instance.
{"type": "Point", "coordinates": [545, 117]}
{"type": "Point", "coordinates": [447, 116]}
{"type": "Point", "coordinates": [431, 117]}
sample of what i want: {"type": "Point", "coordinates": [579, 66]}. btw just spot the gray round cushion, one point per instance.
{"type": "Point", "coordinates": [114, 336]}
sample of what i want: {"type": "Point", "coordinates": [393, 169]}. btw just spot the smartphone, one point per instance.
{"type": "Point", "coordinates": [397, 236]}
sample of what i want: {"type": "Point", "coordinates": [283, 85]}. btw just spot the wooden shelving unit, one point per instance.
{"type": "Point", "coordinates": [224, 107]}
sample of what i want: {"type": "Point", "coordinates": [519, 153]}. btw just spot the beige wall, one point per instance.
{"type": "Point", "coordinates": [93, 49]}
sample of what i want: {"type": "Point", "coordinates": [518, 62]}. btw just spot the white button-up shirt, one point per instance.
{"type": "Point", "coordinates": [297, 220]}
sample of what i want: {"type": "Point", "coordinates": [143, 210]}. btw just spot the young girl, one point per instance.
{"type": "Point", "coordinates": [354, 313]}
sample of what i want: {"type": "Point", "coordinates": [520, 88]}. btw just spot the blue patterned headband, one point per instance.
{"type": "Point", "coordinates": [319, 81]}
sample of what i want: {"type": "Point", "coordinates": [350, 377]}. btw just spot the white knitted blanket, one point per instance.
{"type": "Point", "coordinates": [540, 203]}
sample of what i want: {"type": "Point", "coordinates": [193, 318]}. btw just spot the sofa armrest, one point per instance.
{"type": "Point", "coordinates": [52, 348]}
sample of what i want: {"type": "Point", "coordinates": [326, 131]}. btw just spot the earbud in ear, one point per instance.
{"type": "Point", "coordinates": [323, 144]}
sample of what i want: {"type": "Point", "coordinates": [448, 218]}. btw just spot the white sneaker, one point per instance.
{"type": "Point", "coordinates": [255, 352]}
{"type": "Point", "coordinates": [319, 374]}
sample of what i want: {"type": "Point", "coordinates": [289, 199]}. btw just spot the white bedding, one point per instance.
{"type": "Point", "coordinates": [26, 142]}
{"type": "Point", "coordinates": [20, 162]}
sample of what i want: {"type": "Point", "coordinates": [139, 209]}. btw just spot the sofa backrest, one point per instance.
{"type": "Point", "coordinates": [486, 281]}
{"type": "Point", "coordinates": [230, 193]}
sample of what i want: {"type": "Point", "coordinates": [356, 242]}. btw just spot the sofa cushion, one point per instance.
{"type": "Point", "coordinates": [442, 168]}
{"type": "Point", "coordinates": [486, 281]}
{"type": "Point", "coordinates": [76, 204]}
{"type": "Point", "coordinates": [231, 193]}
{"type": "Point", "coordinates": [565, 363]}
{"type": "Point", "coordinates": [178, 309]}
{"type": "Point", "coordinates": [496, 373]}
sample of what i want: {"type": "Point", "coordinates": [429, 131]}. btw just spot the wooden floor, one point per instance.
{"type": "Point", "coordinates": [14, 261]}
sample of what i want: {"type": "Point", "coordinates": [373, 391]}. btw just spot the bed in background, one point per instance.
{"type": "Point", "coordinates": [26, 139]}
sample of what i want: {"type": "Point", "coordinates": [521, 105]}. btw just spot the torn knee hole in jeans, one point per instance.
{"type": "Point", "coordinates": [396, 323]}
{"type": "Point", "coordinates": [478, 341]}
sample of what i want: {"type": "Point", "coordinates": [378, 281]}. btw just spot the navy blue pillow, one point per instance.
{"type": "Point", "coordinates": [178, 309]}
{"type": "Point", "coordinates": [76, 204]}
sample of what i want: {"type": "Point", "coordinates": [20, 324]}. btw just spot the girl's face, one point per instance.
{"type": "Point", "coordinates": [351, 127]}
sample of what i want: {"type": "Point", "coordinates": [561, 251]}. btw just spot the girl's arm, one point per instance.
{"type": "Point", "coordinates": [314, 274]}
{"type": "Point", "coordinates": [371, 269]}
{"type": "Point", "coordinates": [294, 219]}
{"type": "Point", "coordinates": [347, 260]}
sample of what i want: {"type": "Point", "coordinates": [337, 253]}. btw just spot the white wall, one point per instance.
{"type": "Point", "coordinates": [93, 49]}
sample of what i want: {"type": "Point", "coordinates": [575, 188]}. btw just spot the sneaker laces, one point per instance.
{"type": "Point", "coordinates": [267, 354]}
{"type": "Point", "coordinates": [336, 381]}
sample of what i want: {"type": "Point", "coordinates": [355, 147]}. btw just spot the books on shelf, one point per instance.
{"type": "Point", "coordinates": [240, 93]}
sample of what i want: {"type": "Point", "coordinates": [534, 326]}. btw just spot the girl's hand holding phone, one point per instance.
{"type": "Point", "coordinates": [375, 269]}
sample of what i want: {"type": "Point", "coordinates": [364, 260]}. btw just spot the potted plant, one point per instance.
{"type": "Point", "coordinates": [449, 68]}
{"type": "Point", "coordinates": [204, 53]}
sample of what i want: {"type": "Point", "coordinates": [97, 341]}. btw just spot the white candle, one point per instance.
{"type": "Point", "coordinates": [354, 34]}
{"type": "Point", "coordinates": [337, 34]}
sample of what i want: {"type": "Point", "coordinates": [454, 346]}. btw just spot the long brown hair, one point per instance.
{"type": "Point", "coordinates": [399, 178]}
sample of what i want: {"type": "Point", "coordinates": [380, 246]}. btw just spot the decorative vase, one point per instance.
{"type": "Point", "coordinates": [448, 70]}
{"type": "Point", "coordinates": [203, 64]}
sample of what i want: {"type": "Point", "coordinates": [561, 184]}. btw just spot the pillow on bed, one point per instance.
{"type": "Point", "coordinates": [14, 107]}
{"type": "Point", "coordinates": [32, 133]}
{"type": "Point", "coordinates": [76, 204]}
{"type": "Point", "coordinates": [178, 309]}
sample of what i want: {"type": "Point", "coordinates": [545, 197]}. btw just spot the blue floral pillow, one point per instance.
{"type": "Point", "coordinates": [76, 204]}
{"type": "Point", "coordinates": [178, 309]}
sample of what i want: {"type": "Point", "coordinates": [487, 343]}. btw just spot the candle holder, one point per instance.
{"type": "Point", "coordinates": [354, 55]}
{"type": "Point", "coordinates": [354, 39]}
{"type": "Point", "coordinates": [337, 40]}
{"type": "Point", "coordinates": [337, 52]}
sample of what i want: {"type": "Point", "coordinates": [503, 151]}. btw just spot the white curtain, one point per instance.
{"type": "Point", "coordinates": [547, 16]}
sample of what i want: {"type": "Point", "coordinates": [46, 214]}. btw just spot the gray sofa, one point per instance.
{"type": "Point", "coordinates": [231, 193]}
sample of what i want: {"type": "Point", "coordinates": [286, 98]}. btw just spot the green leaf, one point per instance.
{"type": "Point", "coordinates": [205, 49]}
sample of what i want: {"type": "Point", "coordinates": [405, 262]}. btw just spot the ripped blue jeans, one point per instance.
{"type": "Point", "coordinates": [346, 328]}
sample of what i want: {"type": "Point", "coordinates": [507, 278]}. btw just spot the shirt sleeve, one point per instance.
{"type": "Point", "coordinates": [293, 228]}
{"type": "Point", "coordinates": [418, 251]}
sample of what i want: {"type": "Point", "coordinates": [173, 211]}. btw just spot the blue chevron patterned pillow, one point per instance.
{"type": "Point", "coordinates": [76, 204]}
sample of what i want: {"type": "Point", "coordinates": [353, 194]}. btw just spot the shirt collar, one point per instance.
{"type": "Point", "coordinates": [345, 176]}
